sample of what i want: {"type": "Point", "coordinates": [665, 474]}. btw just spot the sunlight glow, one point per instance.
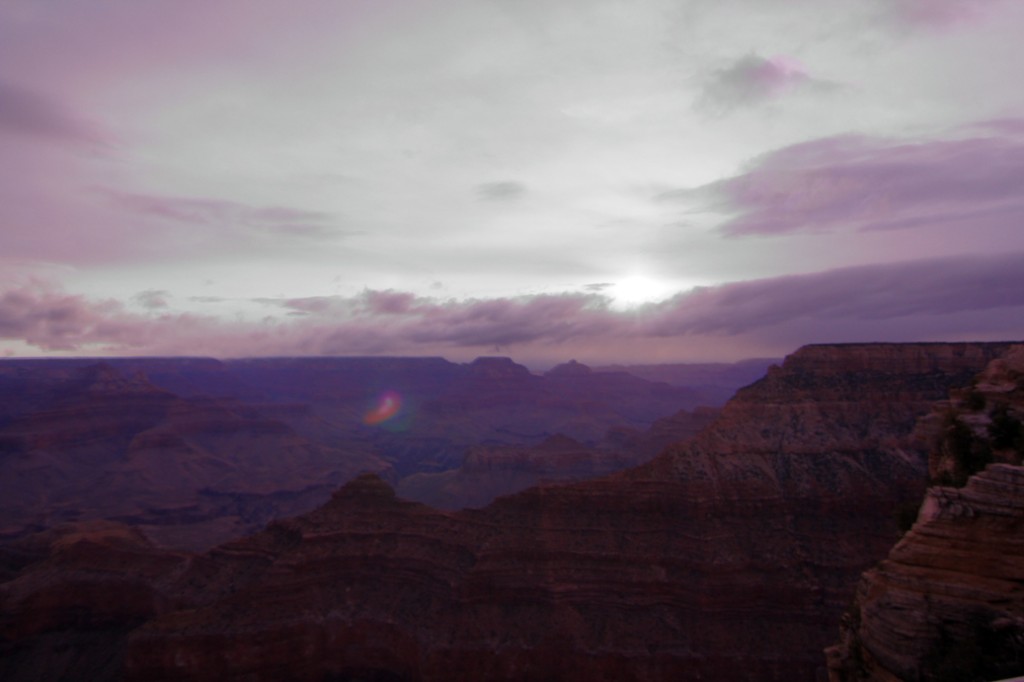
{"type": "Point", "coordinates": [636, 290]}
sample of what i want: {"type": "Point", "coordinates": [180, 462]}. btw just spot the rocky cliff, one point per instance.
{"type": "Point", "coordinates": [948, 603]}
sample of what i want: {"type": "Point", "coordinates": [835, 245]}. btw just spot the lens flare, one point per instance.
{"type": "Point", "coordinates": [387, 407]}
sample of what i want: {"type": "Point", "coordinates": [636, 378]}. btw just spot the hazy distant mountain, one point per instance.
{"type": "Point", "coordinates": [716, 382]}
{"type": "Point", "coordinates": [198, 450]}
{"type": "Point", "coordinates": [92, 443]}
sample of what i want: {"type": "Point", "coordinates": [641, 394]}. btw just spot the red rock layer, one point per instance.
{"type": "Point", "coordinates": [727, 558]}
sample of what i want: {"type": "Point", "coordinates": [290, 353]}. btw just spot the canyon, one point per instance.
{"type": "Point", "coordinates": [730, 555]}
{"type": "Point", "coordinates": [197, 451]}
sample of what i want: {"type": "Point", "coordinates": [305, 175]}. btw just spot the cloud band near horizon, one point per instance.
{"type": "Point", "coordinates": [965, 298]}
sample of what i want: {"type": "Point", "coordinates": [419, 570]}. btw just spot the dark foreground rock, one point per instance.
{"type": "Point", "coordinates": [947, 605]}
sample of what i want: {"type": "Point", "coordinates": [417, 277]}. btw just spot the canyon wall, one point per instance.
{"type": "Point", "coordinates": [947, 605]}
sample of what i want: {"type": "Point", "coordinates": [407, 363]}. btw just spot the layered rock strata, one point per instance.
{"type": "Point", "coordinates": [948, 602]}
{"type": "Point", "coordinates": [726, 558]}
{"type": "Point", "coordinates": [947, 605]}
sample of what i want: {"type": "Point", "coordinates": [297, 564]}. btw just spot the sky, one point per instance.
{"type": "Point", "coordinates": [605, 180]}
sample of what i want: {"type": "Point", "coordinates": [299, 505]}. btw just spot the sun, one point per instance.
{"type": "Point", "coordinates": [636, 290]}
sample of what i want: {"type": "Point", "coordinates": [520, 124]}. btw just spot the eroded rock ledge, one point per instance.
{"type": "Point", "coordinates": [948, 603]}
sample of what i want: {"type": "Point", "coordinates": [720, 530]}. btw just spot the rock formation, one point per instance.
{"type": "Point", "coordinates": [729, 557]}
{"type": "Point", "coordinates": [947, 605]}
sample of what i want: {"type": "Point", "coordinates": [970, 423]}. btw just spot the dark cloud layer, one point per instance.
{"type": "Point", "coordinates": [861, 183]}
{"type": "Point", "coordinates": [944, 287]}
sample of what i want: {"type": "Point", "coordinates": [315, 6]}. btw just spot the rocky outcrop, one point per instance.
{"type": "Point", "coordinates": [948, 604]}
{"type": "Point", "coordinates": [979, 424]}
{"type": "Point", "coordinates": [726, 558]}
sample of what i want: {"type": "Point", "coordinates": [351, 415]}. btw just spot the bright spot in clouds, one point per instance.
{"type": "Point", "coordinates": [637, 290]}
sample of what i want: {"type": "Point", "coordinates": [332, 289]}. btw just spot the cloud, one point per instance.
{"type": "Point", "coordinates": [940, 14]}
{"type": "Point", "coordinates": [43, 316]}
{"type": "Point", "coordinates": [24, 111]}
{"type": "Point", "coordinates": [388, 319]}
{"type": "Point", "coordinates": [875, 295]}
{"type": "Point", "coordinates": [864, 183]}
{"type": "Point", "coordinates": [968, 297]}
{"type": "Point", "coordinates": [221, 213]}
{"type": "Point", "coordinates": [752, 79]}
{"type": "Point", "coordinates": [152, 298]}
{"type": "Point", "coordinates": [501, 191]}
